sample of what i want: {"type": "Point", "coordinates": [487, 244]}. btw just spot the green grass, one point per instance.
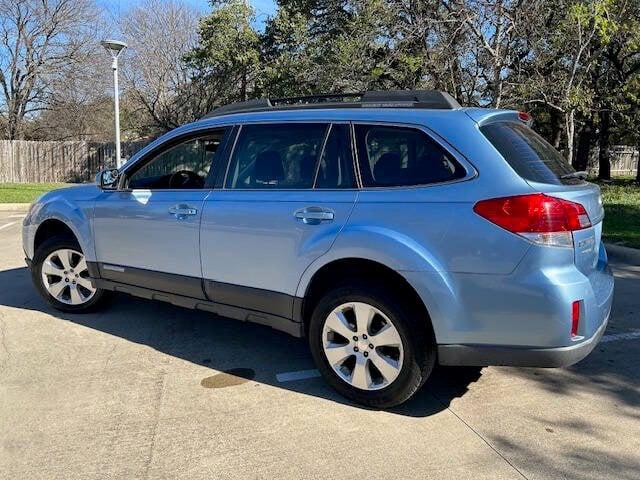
{"type": "Point", "coordinates": [25, 192]}
{"type": "Point", "coordinates": [621, 198]}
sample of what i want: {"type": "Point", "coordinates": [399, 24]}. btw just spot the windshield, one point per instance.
{"type": "Point", "coordinates": [530, 155]}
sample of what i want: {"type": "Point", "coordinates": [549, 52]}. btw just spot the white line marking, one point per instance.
{"type": "Point", "coordinates": [299, 375]}
{"type": "Point", "coordinates": [18, 216]}
{"type": "Point", "coordinates": [7, 225]}
{"type": "Point", "coordinates": [621, 336]}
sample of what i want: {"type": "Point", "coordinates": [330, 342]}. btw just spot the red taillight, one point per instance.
{"type": "Point", "coordinates": [536, 217]}
{"type": "Point", "coordinates": [524, 116]}
{"type": "Point", "coordinates": [575, 318]}
{"type": "Point", "coordinates": [536, 213]}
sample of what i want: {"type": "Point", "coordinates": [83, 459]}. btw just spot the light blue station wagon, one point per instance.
{"type": "Point", "coordinates": [393, 230]}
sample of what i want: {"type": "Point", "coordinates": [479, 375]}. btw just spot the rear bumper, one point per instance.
{"type": "Point", "coordinates": [485, 355]}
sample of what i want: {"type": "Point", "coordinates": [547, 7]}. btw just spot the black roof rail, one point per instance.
{"type": "Point", "coordinates": [371, 99]}
{"type": "Point", "coordinates": [237, 107]}
{"type": "Point", "coordinates": [313, 99]}
{"type": "Point", "coordinates": [419, 98]}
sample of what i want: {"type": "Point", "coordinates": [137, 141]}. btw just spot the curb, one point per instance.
{"type": "Point", "coordinates": [625, 254]}
{"type": "Point", "coordinates": [14, 207]}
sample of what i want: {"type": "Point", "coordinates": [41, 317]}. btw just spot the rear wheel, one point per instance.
{"type": "Point", "coordinates": [369, 347]}
{"type": "Point", "coordinates": [61, 275]}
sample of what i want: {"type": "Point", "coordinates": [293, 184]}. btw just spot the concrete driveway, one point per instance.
{"type": "Point", "coordinates": [140, 391]}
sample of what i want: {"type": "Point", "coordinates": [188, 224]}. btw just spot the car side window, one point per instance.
{"type": "Point", "coordinates": [182, 166]}
{"type": "Point", "coordinates": [336, 163]}
{"type": "Point", "coordinates": [276, 156]}
{"type": "Point", "coordinates": [400, 156]}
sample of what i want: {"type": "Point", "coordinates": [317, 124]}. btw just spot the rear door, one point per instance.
{"type": "Point", "coordinates": [544, 168]}
{"type": "Point", "coordinates": [289, 189]}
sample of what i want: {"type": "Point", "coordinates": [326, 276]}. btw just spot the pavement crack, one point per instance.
{"type": "Point", "coordinates": [156, 421]}
{"type": "Point", "coordinates": [109, 357]}
{"type": "Point", "coordinates": [4, 351]}
{"type": "Point", "coordinates": [479, 435]}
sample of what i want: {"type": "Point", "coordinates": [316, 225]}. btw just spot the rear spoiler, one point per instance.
{"type": "Point", "coordinates": [484, 116]}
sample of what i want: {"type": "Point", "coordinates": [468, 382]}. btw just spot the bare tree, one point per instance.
{"type": "Point", "coordinates": [499, 31]}
{"type": "Point", "coordinates": [39, 39]}
{"type": "Point", "coordinates": [160, 33]}
{"type": "Point", "coordinates": [80, 106]}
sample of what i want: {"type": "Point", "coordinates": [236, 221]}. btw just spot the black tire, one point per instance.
{"type": "Point", "coordinates": [415, 332]}
{"type": "Point", "coordinates": [99, 299]}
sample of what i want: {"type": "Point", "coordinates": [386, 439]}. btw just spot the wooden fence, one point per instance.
{"type": "Point", "coordinates": [624, 161]}
{"type": "Point", "coordinates": [27, 161]}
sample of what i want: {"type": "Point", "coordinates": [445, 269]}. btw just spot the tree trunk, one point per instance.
{"type": "Point", "coordinates": [243, 86]}
{"type": "Point", "coordinates": [570, 123]}
{"type": "Point", "coordinates": [556, 130]}
{"type": "Point", "coordinates": [638, 166]}
{"type": "Point", "coordinates": [604, 165]}
{"type": "Point", "coordinates": [585, 137]}
{"type": "Point", "coordinates": [13, 124]}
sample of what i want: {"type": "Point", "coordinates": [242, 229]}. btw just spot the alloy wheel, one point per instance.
{"type": "Point", "coordinates": [66, 277]}
{"type": "Point", "coordinates": [362, 345]}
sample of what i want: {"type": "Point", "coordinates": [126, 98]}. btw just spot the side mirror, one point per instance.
{"type": "Point", "coordinates": [108, 179]}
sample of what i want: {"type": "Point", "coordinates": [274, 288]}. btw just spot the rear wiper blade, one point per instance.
{"type": "Point", "coordinates": [581, 175]}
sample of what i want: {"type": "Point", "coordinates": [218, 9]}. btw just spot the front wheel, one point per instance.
{"type": "Point", "coordinates": [61, 276]}
{"type": "Point", "coordinates": [369, 347]}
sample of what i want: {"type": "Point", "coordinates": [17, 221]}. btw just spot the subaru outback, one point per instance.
{"type": "Point", "coordinates": [392, 230]}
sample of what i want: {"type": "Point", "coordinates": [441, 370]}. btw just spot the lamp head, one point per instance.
{"type": "Point", "coordinates": [114, 47]}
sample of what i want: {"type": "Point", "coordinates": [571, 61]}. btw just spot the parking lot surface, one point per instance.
{"type": "Point", "coordinates": [149, 390]}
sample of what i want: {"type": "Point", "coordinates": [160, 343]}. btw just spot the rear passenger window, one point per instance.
{"type": "Point", "coordinates": [336, 164]}
{"type": "Point", "coordinates": [398, 156]}
{"type": "Point", "coordinates": [279, 156]}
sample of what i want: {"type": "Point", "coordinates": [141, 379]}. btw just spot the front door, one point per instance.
{"type": "Point", "coordinates": [147, 234]}
{"type": "Point", "coordinates": [289, 189]}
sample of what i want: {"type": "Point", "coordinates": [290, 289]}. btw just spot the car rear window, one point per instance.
{"type": "Point", "coordinates": [530, 155]}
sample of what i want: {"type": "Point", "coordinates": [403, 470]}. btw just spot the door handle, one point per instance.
{"type": "Point", "coordinates": [182, 211]}
{"type": "Point", "coordinates": [314, 215]}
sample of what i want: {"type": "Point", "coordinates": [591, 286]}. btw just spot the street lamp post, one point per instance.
{"type": "Point", "coordinates": [115, 47]}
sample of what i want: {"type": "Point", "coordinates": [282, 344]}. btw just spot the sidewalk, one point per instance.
{"type": "Point", "coordinates": [623, 254]}
{"type": "Point", "coordinates": [14, 207]}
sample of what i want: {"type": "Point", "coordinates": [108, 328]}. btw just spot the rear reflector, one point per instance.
{"type": "Point", "coordinates": [575, 318]}
{"type": "Point", "coordinates": [537, 217]}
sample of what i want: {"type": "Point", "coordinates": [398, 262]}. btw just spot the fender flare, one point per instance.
{"type": "Point", "coordinates": [73, 216]}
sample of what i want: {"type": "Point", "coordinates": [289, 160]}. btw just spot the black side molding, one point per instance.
{"type": "Point", "coordinates": [257, 299]}
{"type": "Point", "coordinates": [230, 311]}
{"type": "Point", "coordinates": [277, 310]}
{"type": "Point", "coordinates": [160, 281]}
{"type": "Point", "coordinates": [92, 268]}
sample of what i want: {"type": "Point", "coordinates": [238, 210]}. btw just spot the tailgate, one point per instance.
{"type": "Point", "coordinates": [586, 241]}
{"type": "Point", "coordinates": [544, 168]}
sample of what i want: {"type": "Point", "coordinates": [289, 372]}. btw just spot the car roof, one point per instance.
{"type": "Point", "coordinates": [404, 115]}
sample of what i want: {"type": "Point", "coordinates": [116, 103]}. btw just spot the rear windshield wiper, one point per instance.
{"type": "Point", "coordinates": [582, 175]}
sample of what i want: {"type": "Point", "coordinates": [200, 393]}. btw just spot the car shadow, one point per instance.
{"type": "Point", "coordinates": [224, 345]}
